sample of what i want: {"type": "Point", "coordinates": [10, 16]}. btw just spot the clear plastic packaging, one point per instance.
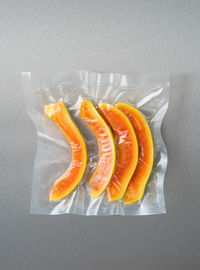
{"type": "Point", "coordinates": [148, 93]}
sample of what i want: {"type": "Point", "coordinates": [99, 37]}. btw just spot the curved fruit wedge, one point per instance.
{"type": "Point", "coordinates": [127, 146]}
{"type": "Point", "coordinates": [68, 181]}
{"type": "Point", "coordinates": [106, 144]}
{"type": "Point", "coordinates": [140, 177]}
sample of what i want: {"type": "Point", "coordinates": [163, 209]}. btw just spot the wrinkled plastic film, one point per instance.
{"type": "Point", "coordinates": [148, 93]}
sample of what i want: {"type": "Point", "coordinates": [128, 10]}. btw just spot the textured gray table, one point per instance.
{"type": "Point", "coordinates": [119, 36]}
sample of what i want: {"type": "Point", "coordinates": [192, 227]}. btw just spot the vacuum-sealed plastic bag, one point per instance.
{"type": "Point", "coordinates": [99, 144]}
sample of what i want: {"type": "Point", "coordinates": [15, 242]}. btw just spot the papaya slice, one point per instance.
{"type": "Point", "coordinates": [136, 187]}
{"type": "Point", "coordinates": [127, 155]}
{"type": "Point", "coordinates": [71, 177]}
{"type": "Point", "coordinates": [106, 144]}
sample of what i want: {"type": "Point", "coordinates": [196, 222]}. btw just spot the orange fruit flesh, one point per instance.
{"type": "Point", "coordinates": [136, 187]}
{"type": "Point", "coordinates": [127, 150]}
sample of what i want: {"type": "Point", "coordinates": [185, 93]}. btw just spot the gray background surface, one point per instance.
{"type": "Point", "coordinates": [118, 36]}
